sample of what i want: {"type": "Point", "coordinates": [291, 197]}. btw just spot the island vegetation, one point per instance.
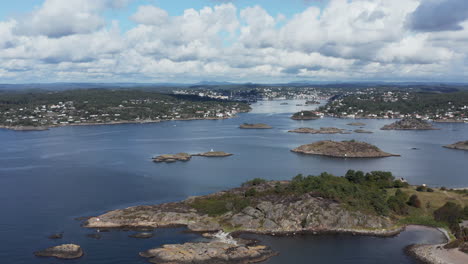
{"type": "Point", "coordinates": [374, 203]}
{"type": "Point", "coordinates": [255, 126]}
{"type": "Point", "coordinates": [448, 106]}
{"type": "Point", "coordinates": [40, 110]}
{"type": "Point", "coordinates": [305, 115]}
{"type": "Point", "coordinates": [343, 149]}
{"type": "Point", "coordinates": [409, 124]}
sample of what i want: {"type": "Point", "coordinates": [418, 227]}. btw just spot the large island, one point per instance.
{"type": "Point", "coordinates": [372, 203]}
{"type": "Point", "coordinates": [343, 149]}
{"type": "Point", "coordinates": [409, 124]}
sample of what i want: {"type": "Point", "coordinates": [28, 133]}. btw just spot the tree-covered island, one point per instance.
{"type": "Point", "coordinates": [374, 203]}
{"type": "Point", "coordinates": [41, 110]}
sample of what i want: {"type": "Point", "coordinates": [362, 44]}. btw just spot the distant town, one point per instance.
{"type": "Point", "coordinates": [44, 109]}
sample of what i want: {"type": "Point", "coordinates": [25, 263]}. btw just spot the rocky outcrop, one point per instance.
{"type": "Point", "coordinates": [305, 115]}
{"type": "Point", "coordinates": [343, 149]}
{"type": "Point", "coordinates": [168, 158]}
{"type": "Point", "coordinates": [363, 131]}
{"type": "Point", "coordinates": [67, 251]}
{"type": "Point", "coordinates": [409, 124]}
{"type": "Point", "coordinates": [56, 236]}
{"type": "Point", "coordinates": [26, 128]}
{"type": "Point", "coordinates": [264, 214]}
{"type": "Point", "coordinates": [436, 254]}
{"type": "Point", "coordinates": [255, 126]}
{"type": "Point", "coordinates": [211, 154]}
{"type": "Point", "coordinates": [356, 124]}
{"type": "Point", "coordinates": [216, 251]}
{"type": "Point", "coordinates": [462, 145]}
{"type": "Point", "coordinates": [322, 130]}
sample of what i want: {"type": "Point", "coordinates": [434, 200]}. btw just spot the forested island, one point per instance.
{"type": "Point", "coordinates": [40, 110]}
{"type": "Point", "coordinates": [398, 103]}
{"type": "Point", "coordinates": [373, 203]}
{"type": "Point", "coordinates": [342, 149]}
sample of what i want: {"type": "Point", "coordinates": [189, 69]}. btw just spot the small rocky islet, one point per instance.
{"type": "Point", "coordinates": [255, 126]}
{"type": "Point", "coordinates": [216, 251]}
{"type": "Point", "coordinates": [343, 149]}
{"type": "Point", "coordinates": [362, 131]}
{"type": "Point", "coordinates": [462, 145]}
{"type": "Point", "coordinates": [322, 130]}
{"type": "Point", "coordinates": [356, 124]}
{"type": "Point", "coordinates": [169, 158]}
{"type": "Point", "coordinates": [409, 124]}
{"type": "Point", "coordinates": [65, 251]}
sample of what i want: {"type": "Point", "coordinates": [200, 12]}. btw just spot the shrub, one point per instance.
{"type": "Point", "coordinates": [250, 192]}
{"type": "Point", "coordinates": [430, 190]}
{"type": "Point", "coordinates": [443, 188]}
{"type": "Point", "coordinates": [414, 201]}
{"type": "Point", "coordinates": [254, 182]}
{"type": "Point", "coordinates": [421, 188]}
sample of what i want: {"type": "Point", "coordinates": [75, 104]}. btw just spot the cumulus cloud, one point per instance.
{"type": "Point", "coordinates": [58, 18]}
{"type": "Point", "coordinates": [439, 15]}
{"type": "Point", "coordinates": [345, 40]}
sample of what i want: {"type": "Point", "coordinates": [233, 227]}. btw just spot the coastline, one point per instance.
{"type": "Point", "coordinates": [44, 128]}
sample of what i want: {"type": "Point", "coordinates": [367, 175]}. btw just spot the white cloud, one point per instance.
{"type": "Point", "coordinates": [347, 40]}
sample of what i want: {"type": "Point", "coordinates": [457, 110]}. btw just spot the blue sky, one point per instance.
{"type": "Point", "coordinates": [237, 41]}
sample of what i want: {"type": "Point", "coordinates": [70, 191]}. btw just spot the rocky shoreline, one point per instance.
{"type": "Point", "coordinates": [462, 145]}
{"type": "Point", "coordinates": [169, 158]}
{"type": "Point", "coordinates": [343, 149]}
{"type": "Point", "coordinates": [255, 126]}
{"type": "Point", "coordinates": [322, 130]}
{"type": "Point", "coordinates": [436, 254]}
{"type": "Point", "coordinates": [44, 128]}
{"type": "Point", "coordinates": [409, 124]}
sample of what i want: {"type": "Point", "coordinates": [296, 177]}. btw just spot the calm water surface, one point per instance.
{"type": "Point", "coordinates": [48, 178]}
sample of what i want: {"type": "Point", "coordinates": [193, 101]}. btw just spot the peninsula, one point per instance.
{"type": "Point", "coordinates": [409, 124]}
{"type": "Point", "coordinates": [255, 126]}
{"type": "Point", "coordinates": [462, 145]}
{"type": "Point", "coordinates": [322, 130]}
{"type": "Point", "coordinates": [343, 149]}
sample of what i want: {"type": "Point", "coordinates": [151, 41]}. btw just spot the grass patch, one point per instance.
{"type": "Point", "coordinates": [425, 220]}
{"type": "Point", "coordinates": [218, 205]}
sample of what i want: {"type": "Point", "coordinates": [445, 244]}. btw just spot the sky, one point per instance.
{"type": "Point", "coordinates": [263, 41]}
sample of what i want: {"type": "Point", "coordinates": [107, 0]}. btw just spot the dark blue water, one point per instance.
{"type": "Point", "coordinates": [48, 178]}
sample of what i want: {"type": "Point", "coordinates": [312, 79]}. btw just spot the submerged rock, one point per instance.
{"type": "Point", "coordinates": [462, 145]}
{"type": "Point", "coordinates": [409, 124]}
{"type": "Point", "coordinates": [56, 236]}
{"type": "Point", "coordinates": [343, 149]}
{"type": "Point", "coordinates": [215, 251]}
{"type": "Point", "coordinates": [143, 235]}
{"type": "Point", "coordinates": [94, 236]}
{"type": "Point", "coordinates": [66, 251]}
{"type": "Point", "coordinates": [322, 130]}
{"type": "Point", "coordinates": [255, 126]}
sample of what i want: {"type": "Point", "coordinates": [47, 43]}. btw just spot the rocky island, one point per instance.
{"type": "Point", "coordinates": [355, 203]}
{"type": "Point", "coordinates": [305, 115]}
{"type": "Point", "coordinates": [67, 251]}
{"type": "Point", "coordinates": [169, 158]}
{"type": "Point", "coordinates": [322, 130]}
{"type": "Point", "coordinates": [216, 251]}
{"type": "Point", "coordinates": [343, 149]}
{"type": "Point", "coordinates": [254, 126]}
{"type": "Point", "coordinates": [356, 124]}
{"type": "Point", "coordinates": [363, 131]}
{"type": "Point", "coordinates": [462, 145]}
{"type": "Point", "coordinates": [409, 124]}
